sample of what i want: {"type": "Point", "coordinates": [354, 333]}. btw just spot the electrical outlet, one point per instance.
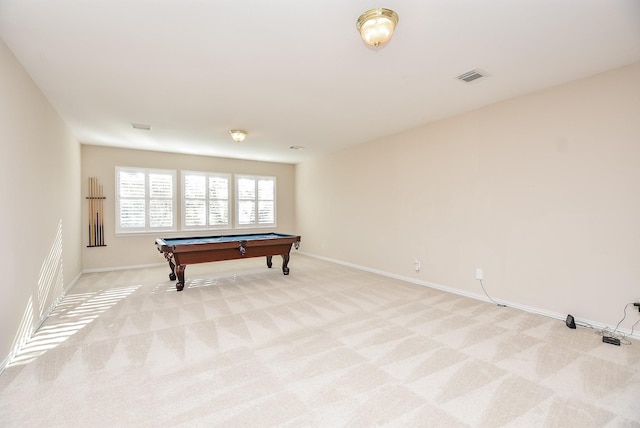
{"type": "Point", "coordinates": [416, 264]}
{"type": "Point", "coordinates": [478, 273]}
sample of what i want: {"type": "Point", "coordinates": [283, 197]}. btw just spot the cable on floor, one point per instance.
{"type": "Point", "coordinates": [487, 294]}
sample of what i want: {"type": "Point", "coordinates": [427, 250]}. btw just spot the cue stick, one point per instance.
{"type": "Point", "coordinates": [101, 211]}
{"type": "Point", "coordinates": [93, 196]}
{"type": "Point", "coordinates": [91, 230]}
{"type": "Point", "coordinates": [98, 215]}
{"type": "Point", "coordinates": [93, 202]}
{"type": "Point", "coordinates": [95, 208]}
{"type": "Point", "coordinates": [97, 228]}
{"type": "Point", "coordinates": [89, 208]}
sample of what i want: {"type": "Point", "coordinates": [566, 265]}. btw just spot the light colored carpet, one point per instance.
{"type": "Point", "coordinates": [326, 346]}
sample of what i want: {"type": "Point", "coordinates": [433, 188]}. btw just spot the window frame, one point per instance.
{"type": "Point", "coordinates": [119, 230]}
{"type": "Point", "coordinates": [255, 223]}
{"type": "Point", "coordinates": [183, 202]}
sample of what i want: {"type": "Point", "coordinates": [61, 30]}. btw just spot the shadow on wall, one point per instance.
{"type": "Point", "coordinates": [50, 284]}
{"type": "Point", "coordinates": [51, 277]}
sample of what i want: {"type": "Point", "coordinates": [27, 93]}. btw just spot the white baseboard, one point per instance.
{"type": "Point", "coordinates": [580, 322]}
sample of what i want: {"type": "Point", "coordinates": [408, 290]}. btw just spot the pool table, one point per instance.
{"type": "Point", "coordinates": [181, 252]}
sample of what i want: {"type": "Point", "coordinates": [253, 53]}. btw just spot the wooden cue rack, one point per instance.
{"type": "Point", "coordinates": [96, 213]}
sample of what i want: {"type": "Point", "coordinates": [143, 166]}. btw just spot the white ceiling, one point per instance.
{"type": "Point", "coordinates": [295, 72]}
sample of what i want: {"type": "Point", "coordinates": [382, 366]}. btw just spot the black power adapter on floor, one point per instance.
{"type": "Point", "coordinates": [570, 321]}
{"type": "Point", "coordinates": [611, 340]}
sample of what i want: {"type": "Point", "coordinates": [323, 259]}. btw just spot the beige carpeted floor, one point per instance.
{"type": "Point", "coordinates": [326, 346]}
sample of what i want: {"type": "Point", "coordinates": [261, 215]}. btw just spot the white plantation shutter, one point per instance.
{"type": "Point", "coordinates": [161, 201]}
{"type": "Point", "coordinates": [145, 200]}
{"type": "Point", "coordinates": [132, 213]}
{"type": "Point", "coordinates": [194, 188]}
{"type": "Point", "coordinates": [160, 214]}
{"type": "Point", "coordinates": [256, 201]}
{"type": "Point", "coordinates": [266, 201]}
{"type": "Point", "coordinates": [219, 200]}
{"type": "Point", "coordinates": [195, 213]}
{"type": "Point", "coordinates": [131, 192]}
{"type": "Point", "coordinates": [206, 200]}
{"type": "Point", "coordinates": [246, 201]}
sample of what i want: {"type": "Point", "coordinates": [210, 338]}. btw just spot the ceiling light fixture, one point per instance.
{"type": "Point", "coordinates": [238, 135]}
{"type": "Point", "coordinates": [376, 26]}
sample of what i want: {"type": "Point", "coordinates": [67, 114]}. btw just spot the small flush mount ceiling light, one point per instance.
{"type": "Point", "coordinates": [238, 135]}
{"type": "Point", "coordinates": [376, 26]}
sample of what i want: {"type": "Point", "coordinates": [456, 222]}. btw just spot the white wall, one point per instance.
{"type": "Point", "coordinates": [139, 250]}
{"type": "Point", "coordinates": [541, 192]}
{"type": "Point", "coordinates": [40, 209]}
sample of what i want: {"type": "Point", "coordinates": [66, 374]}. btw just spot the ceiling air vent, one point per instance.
{"type": "Point", "coordinates": [141, 126]}
{"type": "Point", "coordinates": [471, 76]}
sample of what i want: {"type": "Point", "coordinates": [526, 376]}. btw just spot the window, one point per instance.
{"type": "Point", "coordinates": [145, 200]}
{"type": "Point", "coordinates": [255, 201]}
{"type": "Point", "coordinates": [205, 200]}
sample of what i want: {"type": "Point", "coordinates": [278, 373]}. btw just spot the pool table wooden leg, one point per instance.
{"type": "Point", "coordinates": [172, 266]}
{"type": "Point", "coordinates": [180, 272]}
{"type": "Point", "coordinates": [269, 262]}
{"type": "Point", "coordinates": [172, 275]}
{"type": "Point", "coordinates": [285, 262]}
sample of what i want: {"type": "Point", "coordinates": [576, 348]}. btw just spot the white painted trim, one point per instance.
{"type": "Point", "coordinates": [579, 322]}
